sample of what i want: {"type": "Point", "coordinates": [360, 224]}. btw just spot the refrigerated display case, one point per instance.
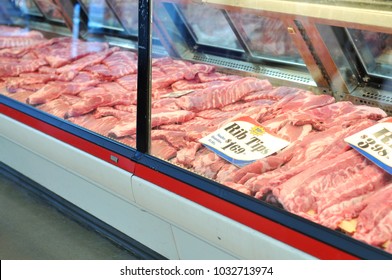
{"type": "Point", "coordinates": [206, 129]}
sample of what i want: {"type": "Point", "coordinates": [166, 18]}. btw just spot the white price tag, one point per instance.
{"type": "Point", "coordinates": [243, 141]}
{"type": "Point", "coordinates": [375, 143]}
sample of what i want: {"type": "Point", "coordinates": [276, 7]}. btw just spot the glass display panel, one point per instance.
{"type": "Point", "coordinates": [362, 4]}
{"type": "Point", "coordinates": [28, 7]}
{"type": "Point", "coordinates": [346, 67]}
{"type": "Point", "coordinates": [375, 51]}
{"type": "Point", "coordinates": [208, 121]}
{"type": "Point", "coordinates": [127, 12]}
{"type": "Point", "coordinates": [100, 15]}
{"type": "Point", "coordinates": [267, 38]}
{"type": "Point", "coordinates": [50, 9]}
{"type": "Point", "coordinates": [217, 33]}
{"type": "Point", "coordinates": [87, 83]}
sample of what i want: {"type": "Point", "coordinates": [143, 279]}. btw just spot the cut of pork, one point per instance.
{"type": "Point", "coordinates": [221, 96]}
{"type": "Point", "coordinates": [158, 117]}
{"type": "Point", "coordinates": [55, 89]}
{"type": "Point", "coordinates": [13, 69]}
{"type": "Point", "coordinates": [106, 94]}
{"type": "Point", "coordinates": [28, 79]}
{"type": "Point", "coordinates": [313, 148]}
{"type": "Point", "coordinates": [160, 148]}
{"type": "Point", "coordinates": [67, 52]}
{"type": "Point", "coordinates": [12, 42]}
{"type": "Point", "coordinates": [375, 221]}
{"type": "Point", "coordinates": [121, 63]}
{"type": "Point", "coordinates": [88, 60]}
{"type": "Point", "coordinates": [100, 126]}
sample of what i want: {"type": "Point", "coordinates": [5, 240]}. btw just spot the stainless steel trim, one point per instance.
{"type": "Point", "coordinates": [372, 97]}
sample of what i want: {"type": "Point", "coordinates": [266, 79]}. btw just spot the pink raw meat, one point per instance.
{"type": "Point", "coordinates": [55, 89]}
{"type": "Point", "coordinates": [175, 138]}
{"type": "Point", "coordinates": [187, 155]}
{"type": "Point", "coordinates": [107, 94]}
{"type": "Point", "coordinates": [121, 63]}
{"type": "Point", "coordinates": [100, 126]}
{"type": "Point", "coordinates": [88, 60]}
{"type": "Point", "coordinates": [72, 50]}
{"type": "Point", "coordinates": [110, 111]}
{"type": "Point", "coordinates": [215, 76]}
{"type": "Point", "coordinates": [57, 107]}
{"type": "Point", "coordinates": [305, 154]}
{"type": "Point", "coordinates": [336, 113]}
{"type": "Point", "coordinates": [12, 42]}
{"type": "Point", "coordinates": [339, 178]}
{"type": "Point", "coordinates": [374, 222]}
{"type": "Point", "coordinates": [28, 79]}
{"type": "Point", "coordinates": [300, 101]}
{"type": "Point", "coordinates": [12, 69]}
{"type": "Point", "coordinates": [128, 82]}
{"type": "Point", "coordinates": [218, 97]}
{"type": "Point", "coordinates": [160, 148]}
{"type": "Point", "coordinates": [158, 117]}
{"type": "Point", "coordinates": [273, 94]}
{"type": "Point", "coordinates": [207, 163]}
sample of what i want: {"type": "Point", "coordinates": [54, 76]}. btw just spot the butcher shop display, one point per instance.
{"type": "Point", "coordinates": [317, 176]}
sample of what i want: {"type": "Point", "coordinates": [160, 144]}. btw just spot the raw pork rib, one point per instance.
{"type": "Point", "coordinates": [108, 94]}
{"type": "Point", "coordinates": [72, 50]}
{"type": "Point", "coordinates": [305, 154]}
{"type": "Point", "coordinates": [162, 149]}
{"type": "Point", "coordinates": [218, 97]}
{"type": "Point", "coordinates": [343, 113]}
{"type": "Point", "coordinates": [6, 42]}
{"type": "Point", "coordinates": [375, 220]}
{"type": "Point", "coordinates": [11, 31]}
{"type": "Point", "coordinates": [121, 63]}
{"type": "Point", "coordinates": [88, 60]}
{"type": "Point", "coordinates": [55, 89]}
{"type": "Point", "coordinates": [329, 182]}
{"type": "Point", "coordinates": [12, 69]}
{"type": "Point", "coordinates": [101, 125]}
{"type": "Point", "coordinates": [158, 117]}
{"type": "Point", "coordinates": [57, 107]}
{"type": "Point", "coordinates": [318, 176]}
{"type": "Point", "coordinates": [175, 138]}
{"type": "Point", "coordinates": [28, 79]}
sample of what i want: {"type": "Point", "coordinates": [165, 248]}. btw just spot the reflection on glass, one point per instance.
{"type": "Point", "coordinates": [333, 43]}
{"type": "Point", "coordinates": [50, 9]}
{"type": "Point", "coordinates": [87, 83]}
{"type": "Point", "coordinates": [375, 51]}
{"type": "Point", "coordinates": [100, 15]}
{"type": "Point", "coordinates": [27, 7]}
{"type": "Point", "coordinates": [127, 12]}
{"type": "Point", "coordinates": [267, 37]}
{"type": "Point", "coordinates": [216, 32]}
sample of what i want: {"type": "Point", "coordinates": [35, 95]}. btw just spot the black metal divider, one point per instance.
{"type": "Point", "coordinates": [143, 117]}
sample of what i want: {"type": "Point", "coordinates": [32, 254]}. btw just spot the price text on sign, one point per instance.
{"type": "Point", "coordinates": [243, 141]}
{"type": "Point", "coordinates": [375, 143]}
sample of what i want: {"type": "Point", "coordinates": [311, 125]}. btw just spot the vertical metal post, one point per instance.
{"type": "Point", "coordinates": [143, 118]}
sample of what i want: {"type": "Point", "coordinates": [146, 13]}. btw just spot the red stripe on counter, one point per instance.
{"type": "Point", "coordinates": [275, 230]}
{"type": "Point", "coordinates": [71, 139]}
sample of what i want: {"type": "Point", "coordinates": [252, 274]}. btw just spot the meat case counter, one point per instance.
{"type": "Point", "coordinates": [139, 172]}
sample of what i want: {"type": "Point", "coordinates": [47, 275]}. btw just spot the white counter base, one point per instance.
{"type": "Point", "coordinates": [163, 221]}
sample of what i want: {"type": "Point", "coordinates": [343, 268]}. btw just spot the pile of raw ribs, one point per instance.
{"type": "Point", "coordinates": [318, 176]}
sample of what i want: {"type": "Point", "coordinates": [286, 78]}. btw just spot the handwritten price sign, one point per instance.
{"type": "Point", "coordinates": [243, 141]}
{"type": "Point", "coordinates": [375, 143]}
